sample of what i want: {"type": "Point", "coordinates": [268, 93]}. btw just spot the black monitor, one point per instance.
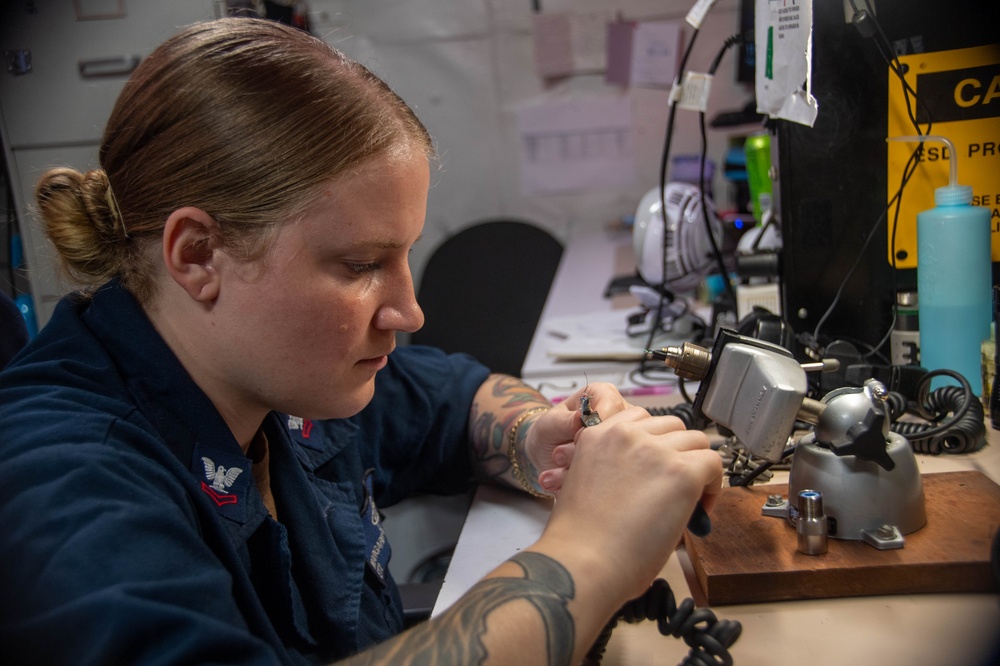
{"type": "Point", "coordinates": [832, 176]}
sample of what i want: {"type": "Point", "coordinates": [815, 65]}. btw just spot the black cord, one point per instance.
{"type": "Point", "coordinates": [664, 163]}
{"type": "Point", "coordinates": [892, 61]}
{"type": "Point", "coordinates": [748, 478]}
{"type": "Point", "coordinates": [684, 411]}
{"type": "Point", "coordinates": [963, 432]}
{"type": "Point", "coordinates": [908, 171]}
{"type": "Point", "coordinates": [730, 291]}
{"type": "Point", "coordinates": [708, 637]}
{"type": "Point", "coordinates": [682, 385]}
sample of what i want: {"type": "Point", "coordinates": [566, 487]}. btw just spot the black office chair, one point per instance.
{"type": "Point", "coordinates": [484, 288]}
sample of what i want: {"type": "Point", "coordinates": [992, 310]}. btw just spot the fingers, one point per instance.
{"type": "Point", "coordinates": [614, 438]}
{"type": "Point", "coordinates": [552, 479]}
{"type": "Point", "coordinates": [646, 467]}
{"type": "Point", "coordinates": [604, 398]}
{"type": "Point", "coordinates": [713, 465]}
{"type": "Point", "coordinates": [634, 414]}
{"type": "Point", "coordinates": [562, 455]}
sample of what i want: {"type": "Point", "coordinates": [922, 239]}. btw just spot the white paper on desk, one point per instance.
{"type": "Point", "coordinates": [595, 333]}
{"type": "Point", "coordinates": [576, 144]}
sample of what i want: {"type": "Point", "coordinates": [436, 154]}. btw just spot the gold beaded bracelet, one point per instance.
{"type": "Point", "coordinates": [515, 454]}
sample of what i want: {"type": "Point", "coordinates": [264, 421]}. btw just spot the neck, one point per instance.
{"type": "Point", "coordinates": [191, 342]}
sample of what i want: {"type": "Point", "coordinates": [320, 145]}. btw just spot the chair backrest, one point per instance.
{"type": "Point", "coordinates": [483, 290]}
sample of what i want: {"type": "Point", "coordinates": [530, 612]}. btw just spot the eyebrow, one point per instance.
{"type": "Point", "coordinates": [381, 243]}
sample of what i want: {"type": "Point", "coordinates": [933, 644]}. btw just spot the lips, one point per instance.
{"type": "Point", "coordinates": [380, 354]}
{"type": "Point", "coordinates": [379, 360]}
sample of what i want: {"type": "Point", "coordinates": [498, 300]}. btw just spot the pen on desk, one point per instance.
{"type": "Point", "coordinates": [629, 391]}
{"type": "Point", "coordinates": [653, 389]}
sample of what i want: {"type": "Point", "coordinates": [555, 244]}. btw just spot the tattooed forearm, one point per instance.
{"type": "Point", "coordinates": [460, 635]}
{"type": "Point", "coordinates": [512, 392]}
{"type": "Point", "coordinates": [489, 446]}
{"type": "Point", "coordinates": [493, 413]}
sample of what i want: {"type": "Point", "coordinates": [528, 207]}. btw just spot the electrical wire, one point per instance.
{"type": "Point", "coordinates": [664, 163]}
{"type": "Point", "coordinates": [748, 478]}
{"type": "Point", "coordinates": [963, 432]}
{"type": "Point", "coordinates": [769, 221]}
{"type": "Point", "coordinates": [896, 66]}
{"type": "Point", "coordinates": [908, 170]}
{"type": "Point", "coordinates": [708, 637]}
{"type": "Point", "coordinates": [730, 291]}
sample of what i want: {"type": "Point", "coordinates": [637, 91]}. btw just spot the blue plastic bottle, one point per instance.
{"type": "Point", "coordinates": [953, 279]}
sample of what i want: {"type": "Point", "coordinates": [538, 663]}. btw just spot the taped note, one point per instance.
{"type": "Point", "coordinates": [783, 42]}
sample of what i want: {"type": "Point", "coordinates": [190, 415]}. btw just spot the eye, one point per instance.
{"type": "Point", "coordinates": [364, 268]}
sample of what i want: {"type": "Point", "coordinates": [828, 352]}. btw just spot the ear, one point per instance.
{"type": "Point", "coordinates": [190, 249]}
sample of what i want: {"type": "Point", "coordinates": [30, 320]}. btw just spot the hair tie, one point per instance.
{"type": "Point", "coordinates": [115, 210]}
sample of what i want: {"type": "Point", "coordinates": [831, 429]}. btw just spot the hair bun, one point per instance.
{"type": "Point", "coordinates": [80, 218]}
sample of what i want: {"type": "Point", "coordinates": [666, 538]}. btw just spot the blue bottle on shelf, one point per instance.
{"type": "Point", "coordinates": [953, 278]}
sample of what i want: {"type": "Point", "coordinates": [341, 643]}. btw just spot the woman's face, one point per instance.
{"type": "Point", "coordinates": [313, 323]}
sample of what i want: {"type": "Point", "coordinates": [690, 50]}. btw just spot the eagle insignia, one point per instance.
{"type": "Point", "coordinates": [221, 479]}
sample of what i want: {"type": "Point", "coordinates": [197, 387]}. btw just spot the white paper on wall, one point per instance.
{"type": "Point", "coordinates": [655, 45]}
{"type": "Point", "coordinates": [576, 144]}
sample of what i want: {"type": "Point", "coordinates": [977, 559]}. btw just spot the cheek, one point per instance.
{"type": "Point", "coordinates": [332, 329]}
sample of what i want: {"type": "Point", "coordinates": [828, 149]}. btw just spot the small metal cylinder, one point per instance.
{"type": "Point", "coordinates": [812, 523]}
{"type": "Point", "coordinates": [688, 361]}
{"type": "Point", "coordinates": [904, 341]}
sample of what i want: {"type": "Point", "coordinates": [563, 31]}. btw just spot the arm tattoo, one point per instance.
{"type": "Point", "coordinates": [489, 429]}
{"type": "Point", "coordinates": [456, 637]}
{"type": "Point", "coordinates": [513, 392]}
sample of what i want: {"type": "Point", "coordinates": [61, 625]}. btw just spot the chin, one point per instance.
{"type": "Point", "coordinates": [349, 404]}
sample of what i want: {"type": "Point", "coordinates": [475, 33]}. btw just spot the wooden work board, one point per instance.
{"type": "Point", "coordinates": [750, 558]}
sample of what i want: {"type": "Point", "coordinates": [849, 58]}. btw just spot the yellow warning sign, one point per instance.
{"type": "Point", "coordinates": [958, 97]}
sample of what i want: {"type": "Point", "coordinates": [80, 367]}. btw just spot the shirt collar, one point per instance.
{"type": "Point", "coordinates": [182, 414]}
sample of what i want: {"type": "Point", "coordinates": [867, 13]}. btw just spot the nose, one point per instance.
{"type": "Point", "coordinates": [401, 311]}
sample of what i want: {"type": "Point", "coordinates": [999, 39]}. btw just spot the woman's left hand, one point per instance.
{"type": "Point", "coordinates": [549, 443]}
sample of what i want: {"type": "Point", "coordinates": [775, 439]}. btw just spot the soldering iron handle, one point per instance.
{"type": "Point", "coordinates": [699, 524]}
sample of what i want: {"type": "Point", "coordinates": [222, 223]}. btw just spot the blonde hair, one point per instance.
{"type": "Point", "coordinates": [243, 118]}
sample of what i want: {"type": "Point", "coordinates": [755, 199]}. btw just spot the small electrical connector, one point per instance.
{"type": "Point", "coordinates": [588, 415]}
{"type": "Point", "coordinates": [688, 361]}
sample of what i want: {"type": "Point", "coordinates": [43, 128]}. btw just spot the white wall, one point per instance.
{"type": "Point", "coordinates": [467, 65]}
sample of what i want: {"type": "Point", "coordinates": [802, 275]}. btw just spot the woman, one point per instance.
{"type": "Point", "coordinates": [194, 448]}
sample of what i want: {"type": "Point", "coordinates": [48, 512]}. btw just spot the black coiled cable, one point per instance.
{"type": "Point", "coordinates": [964, 432]}
{"type": "Point", "coordinates": [683, 411]}
{"type": "Point", "coordinates": [708, 637]}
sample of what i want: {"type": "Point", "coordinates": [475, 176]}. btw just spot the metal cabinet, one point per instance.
{"type": "Point", "coordinates": [64, 64]}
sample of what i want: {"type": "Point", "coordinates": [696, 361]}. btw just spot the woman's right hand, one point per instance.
{"type": "Point", "coordinates": [633, 484]}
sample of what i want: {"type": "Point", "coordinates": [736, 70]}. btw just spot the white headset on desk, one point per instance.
{"type": "Point", "coordinates": [689, 248]}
